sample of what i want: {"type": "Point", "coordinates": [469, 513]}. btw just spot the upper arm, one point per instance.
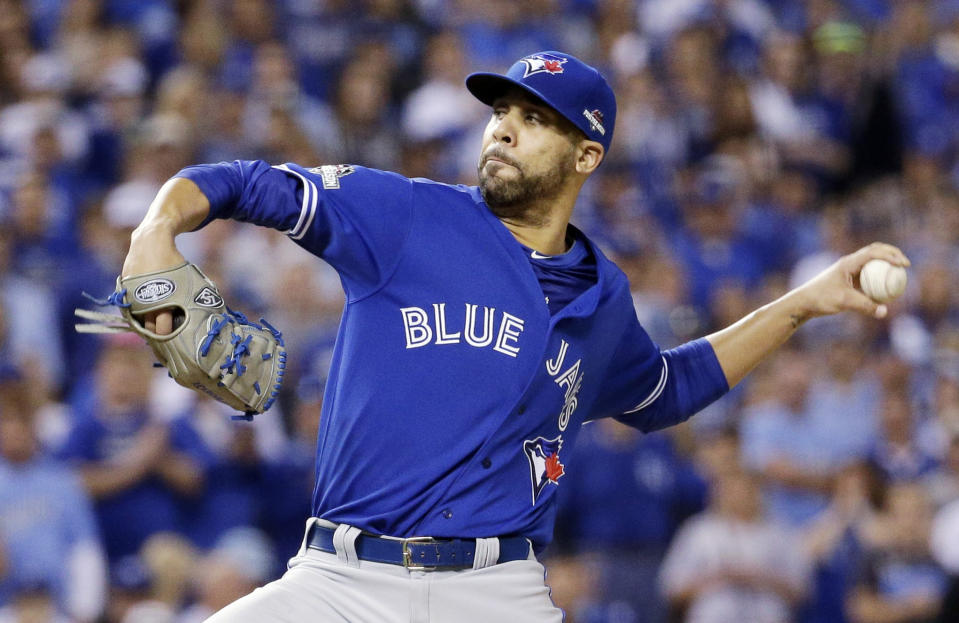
{"type": "Point", "coordinates": [355, 218]}
{"type": "Point", "coordinates": [635, 377]}
{"type": "Point", "coordinates": [654, 389]}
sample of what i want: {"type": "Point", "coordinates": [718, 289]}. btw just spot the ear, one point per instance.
{"type": "Point", "coordinates": [590, 154]}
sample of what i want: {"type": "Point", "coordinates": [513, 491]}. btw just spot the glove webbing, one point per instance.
{"type": "Point", "coordinates": [103, 323]}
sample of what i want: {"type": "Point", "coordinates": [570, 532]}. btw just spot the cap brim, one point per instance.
{"type": "Point", "coordinates": [486, 87]}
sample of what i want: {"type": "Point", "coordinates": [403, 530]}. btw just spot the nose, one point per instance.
{"type": "Point", "coordinates": [504, 129]}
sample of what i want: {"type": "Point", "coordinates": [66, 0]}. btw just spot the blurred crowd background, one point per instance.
{"type": "Point", "coordinates": [757, 141]}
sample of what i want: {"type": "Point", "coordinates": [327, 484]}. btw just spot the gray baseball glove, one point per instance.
{"type": "Point", "coordinates": [212, 349]}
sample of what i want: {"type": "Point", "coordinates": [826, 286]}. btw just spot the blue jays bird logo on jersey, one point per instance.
{"type": "Point", "coordinates": [544, 464]}
{"type": "Point", "coordinates": [540, 63]}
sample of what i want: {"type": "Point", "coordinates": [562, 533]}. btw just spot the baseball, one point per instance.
{"type": "Point", "coordinates": [881, 281]}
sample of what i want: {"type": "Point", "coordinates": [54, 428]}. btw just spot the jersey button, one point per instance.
{"type": "Point", "coordinates": [447, 513]}
{"type": "Point", "coordinates": [521, 410]}
{"type": "Point", "coordinates": [486, 463]}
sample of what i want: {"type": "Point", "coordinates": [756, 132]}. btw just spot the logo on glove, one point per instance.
{"type": "Point", "coordinates": [154, 290]}
{"type": "Point", "coordinates": [207, 297]}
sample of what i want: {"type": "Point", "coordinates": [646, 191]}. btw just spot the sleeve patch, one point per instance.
{"type": "Point", "coordinates": [330, 174]}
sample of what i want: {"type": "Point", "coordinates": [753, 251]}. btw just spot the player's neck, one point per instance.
{"type": "Point", "coordinates": [548, 238]}
{"type": "Point", "coordinates": [547, 232]}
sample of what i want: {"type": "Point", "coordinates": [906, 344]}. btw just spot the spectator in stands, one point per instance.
{"type": "Point", "coordinates": [897, 454]}
{"type": "Point", "coordinates": [240, 561]}
{"type": "Point", "coordinates": [943, 483]}
{"type": "Point", "coordinates": [130, 594]}
{"type": "Point", "coordinates": [732, 564]}
{"type": "Point", "coordinates": [575, 586]}
{"type": "Point", "coordinates": [786, 446]}
{"type": "Point", "coordinates": [835, 538]}
{"type": "Point", "coordinates": [944, 543]}
{"type": "Point", "coordinates": [624, 509]}
{"type": "Point", "coordinates": [899, 581]}
{"type": "Point", "coordinates": [138, 467]}
{"type": "Point", "coordinates": [248, 481]}
{"type": "Point", "coordinates": [170, 560]}
{"type": "Point", "coordinates": [32, 603]}
{"type": "Point", "coordinates": [48, 532]}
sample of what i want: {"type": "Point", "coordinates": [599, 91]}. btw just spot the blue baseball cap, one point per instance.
{"type": "Point", "coordinates": [564, 83]}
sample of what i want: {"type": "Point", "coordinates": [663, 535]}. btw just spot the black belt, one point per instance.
{"type": "Point", "coordinates": [418, 552]}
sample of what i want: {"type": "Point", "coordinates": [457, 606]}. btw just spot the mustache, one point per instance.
{"type": "Point", "coordinates": [499, 155]}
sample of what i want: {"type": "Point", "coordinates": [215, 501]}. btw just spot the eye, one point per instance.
{"type": "Point", "coordinates": [534, 118]}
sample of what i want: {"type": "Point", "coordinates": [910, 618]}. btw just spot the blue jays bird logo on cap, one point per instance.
{"type": "Point", "coordinates": [544, 464]}
{"type": "Point", "coordinates": [581, 94]}
{"type": "Point", "coordinates": [543, 63]}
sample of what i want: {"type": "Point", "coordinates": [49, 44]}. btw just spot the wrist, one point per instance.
{"type": "Point", "coordinates": [796, 306]}
{"type": "Point", "coordinates": [152, 248]}
{"type": "Point", "coordinates": [154, 230]}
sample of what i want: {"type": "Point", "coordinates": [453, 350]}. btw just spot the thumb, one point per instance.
{"type": "Point", "coordinates": [863, 304]}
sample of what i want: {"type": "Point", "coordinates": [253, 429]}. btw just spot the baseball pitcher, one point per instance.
{"type": "Point", "coordinates": [481, 330]}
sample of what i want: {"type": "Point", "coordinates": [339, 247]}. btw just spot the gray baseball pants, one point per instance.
{"type": "Point", "coordinates": [321, 586]}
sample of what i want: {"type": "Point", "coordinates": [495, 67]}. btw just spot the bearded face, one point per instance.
{"type": "Point", "coordinates": [515, 190]}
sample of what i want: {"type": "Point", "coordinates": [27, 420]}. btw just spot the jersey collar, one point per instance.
{"type": "Point", "coordinates": [583, 305]}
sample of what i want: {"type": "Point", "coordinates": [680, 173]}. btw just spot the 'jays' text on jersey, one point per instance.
{"type": "Point", "coordinates": [454, 396]}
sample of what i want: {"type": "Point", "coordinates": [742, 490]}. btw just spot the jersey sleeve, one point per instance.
{"type": "Point", "coordinates": [635, 377]}
{"type": "Point", "coordinates": [650, 389]}
{"type": "Point", "coordinates": [355, 218]}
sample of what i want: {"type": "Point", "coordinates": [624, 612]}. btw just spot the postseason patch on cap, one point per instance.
{"type": "Point", "coordinates": [595, 118]}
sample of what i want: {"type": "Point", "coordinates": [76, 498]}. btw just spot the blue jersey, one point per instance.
{"type": "Point", "coordinates": [454, 395]}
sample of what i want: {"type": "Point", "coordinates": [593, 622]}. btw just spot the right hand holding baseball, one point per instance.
{"type": "Point", "coordinates": [835, 289]}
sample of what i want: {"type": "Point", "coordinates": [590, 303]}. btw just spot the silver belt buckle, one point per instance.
{"type": "Point", "coordinates": [408, 561]}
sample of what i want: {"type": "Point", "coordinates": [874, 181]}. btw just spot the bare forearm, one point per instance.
{"type": "Point", "coordinates": [179, 207]}
{"type": "Point", "coordinates": [741, 346]}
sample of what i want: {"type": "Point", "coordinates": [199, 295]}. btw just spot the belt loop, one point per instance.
{"type": "Point", "coordinates": [306, 535]}
{"type": "Point", "coordinates": [487, 553]}
{"type": "Point", "coordinates": [344, 542]}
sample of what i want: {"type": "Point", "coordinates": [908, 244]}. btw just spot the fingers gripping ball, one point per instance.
{"type": "Point", "coordinates": [212, 349]}
{"type": "Point", "coordinates": [881, 281]}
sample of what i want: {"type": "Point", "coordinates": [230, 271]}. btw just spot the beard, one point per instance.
{"type": "Point", "coordinates": [523, 198]}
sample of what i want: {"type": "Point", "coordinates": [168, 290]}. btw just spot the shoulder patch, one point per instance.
{"type": "Point", "coordinates": [330, 174]}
